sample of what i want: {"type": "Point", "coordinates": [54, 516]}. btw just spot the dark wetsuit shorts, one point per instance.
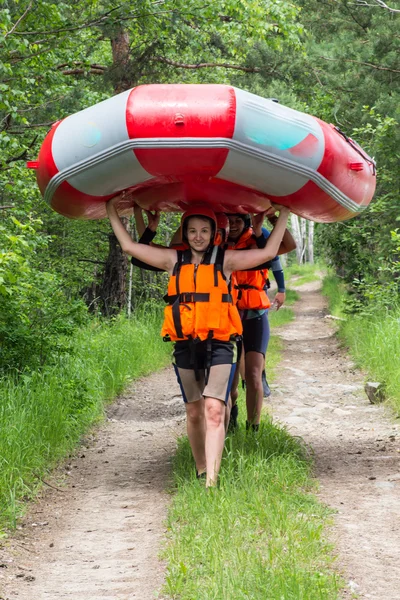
{"type": "Point", "coordinates": [189, 359]}
{"type": "Point", "coordinates": [256, 334]}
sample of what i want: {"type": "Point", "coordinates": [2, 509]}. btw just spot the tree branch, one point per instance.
{"type": "Point", "coordinates": [23, 154]}
{"type": "Point", "coordinates": [378, 4]}
{"type": "Point", "coordinates": [358, 62]}
{"type": "Point", "coordinates": [315, 71]}
{"type": "Point", "coordinates": [78, 63]}
{"type": "Point", "coordinates": [97, 21]}
{"type": "Point", "coordinates": [101, 19]}
{"type": "Point", "coordinates": [19, 20]}
{"type": "Point", "coordinates": [91, 71]}
{"type": "Point", "coordinates": [23, 130]}
{"type": "Point", "coordinates": [95, 262]}
{"type": "Point", "coordinates": [179, 65]}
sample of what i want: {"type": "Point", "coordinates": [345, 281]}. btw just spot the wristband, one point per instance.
{"type": "Point", "coordinates": [148, 236]}
{"type": "Point", "coordinates": [261, 241]}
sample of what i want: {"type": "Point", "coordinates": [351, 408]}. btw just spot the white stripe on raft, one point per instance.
{"type": "Point", "coordinates": [288, 166]}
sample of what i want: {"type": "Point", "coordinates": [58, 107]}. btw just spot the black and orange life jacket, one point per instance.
{"type": "Point", "coordinates": [199, 302]}
{"type": "Point", "coordinates": [250, 285]}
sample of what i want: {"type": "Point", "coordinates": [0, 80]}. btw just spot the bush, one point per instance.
{"type": "Point", "coordinates": [34, 311]}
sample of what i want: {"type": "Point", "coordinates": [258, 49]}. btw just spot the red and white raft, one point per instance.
{"type": "Point", "coordinates": [171, 145]}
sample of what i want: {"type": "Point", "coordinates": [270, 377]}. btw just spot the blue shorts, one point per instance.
{"type": "Point", "coordinates": [256, 334]}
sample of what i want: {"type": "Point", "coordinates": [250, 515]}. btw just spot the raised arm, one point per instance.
{"type": "Point", "coordinates": [241, 261]}
{"type": "Point", "coordinates": [139, 221]}
{"type": "Point", "coordinates": [162, 258]}
{"type": "Point", "coordinates": [287, 244]}
{"type": "Point", "coordinates": [146, 234]}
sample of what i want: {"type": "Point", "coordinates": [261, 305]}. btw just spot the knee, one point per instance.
{"type": "Point", "coordinates": [194, 414]}
{"type": "Point", "coordinates": [253, 376]}
{"type": "Point", "coordinates": [215, 413]}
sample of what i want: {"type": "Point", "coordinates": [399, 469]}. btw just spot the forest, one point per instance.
{"type": "Point", "coordinates": [335, 59]}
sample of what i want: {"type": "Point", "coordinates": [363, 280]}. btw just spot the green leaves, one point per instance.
{"type": "Point", "coordinates": [33, 308]}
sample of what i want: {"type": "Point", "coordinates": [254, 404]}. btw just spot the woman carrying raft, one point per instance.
{"type": "Point", "coordinates": [202, 320]}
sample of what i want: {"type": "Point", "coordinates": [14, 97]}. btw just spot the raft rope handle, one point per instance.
{"type": "Point", "coordinates": [357, 148]}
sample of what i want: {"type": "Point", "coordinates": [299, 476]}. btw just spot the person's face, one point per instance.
{"type": "Point", "coordinates": [236, 227]}
{"type": "Point", "coordinates": [199, 233]}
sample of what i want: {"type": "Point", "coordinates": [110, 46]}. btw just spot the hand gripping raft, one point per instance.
{"type": "Point", "coordinates": [172, 145]}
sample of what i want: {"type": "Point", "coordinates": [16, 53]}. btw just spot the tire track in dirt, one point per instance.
{"type": "Point", "coordinates": [320, 397]}
{"type": "Point", "coordinates": [99, 537]}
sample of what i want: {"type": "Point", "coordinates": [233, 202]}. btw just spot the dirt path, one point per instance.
{"type": "Point", "coordinates": [98, 538]}
{"type": "Point", "coordinates": [356, 445]}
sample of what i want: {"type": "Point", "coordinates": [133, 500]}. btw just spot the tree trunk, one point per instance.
{"type": "Point", "coordinates": [311, 242]}
{"type": "Point", "coordinates": [113, 286]}
{"type": "Point", "coordinates": [297, 236]}
{"type": "Point", "coordinates": [303, 233]}
{"type": "Point", "coordinates": [130, 290]}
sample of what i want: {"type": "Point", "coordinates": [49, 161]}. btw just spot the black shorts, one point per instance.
{"type": "Point", "coordinates": [222, 353]}
{"type": "Point", "coordinates": [192, 375]}
{"type": "Point", "coordinates": [256, 334]}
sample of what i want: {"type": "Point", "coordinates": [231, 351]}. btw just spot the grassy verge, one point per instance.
{"type": "Point", "coordinates": [301, 274]}
{"type": "Point", "coordinates": [277, 318]}
{"type": "Point", "coordinates": [43, 415]}
{"type": "Point", "coordinates": [335, 290]}
{"type": "Point", "coordinates": [373, 340]}
{"type": "Point", "coordinates": [260, 535]}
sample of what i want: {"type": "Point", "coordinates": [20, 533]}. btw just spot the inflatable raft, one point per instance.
{"type": "Point", "coordinates": [171, 145]}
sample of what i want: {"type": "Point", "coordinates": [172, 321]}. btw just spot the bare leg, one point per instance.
{"type": "Point", "coordinates": [215, 437]}
{"type": "Point", "coordinates": [235, 383]}
{"type": "Point", "coordinates": [228, 413]}
{"type": "Point", "coordinates": [242, 368]}
{"type": "Point", "coordinates": [232, 402]}
{"type": "Point", "coordinates": [196, 430]}
{"type": "Point", "coordinates": [255, 363]}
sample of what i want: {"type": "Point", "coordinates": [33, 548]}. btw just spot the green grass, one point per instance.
{"type": "Point", "coordinates": [277, 318]}
{"type": "Point", "coordinates": [305, 279]}
{"type": "Point", "coordinates": [275, 349]}
{"type": "Point", "coordinates": [275, 346]}
{"type": "Point", "coordinates": [295, 270]}
{"type": "Point", "coordinates": [259, 535]}
{"type": "Point", "coordinates": [335, 290]}
{"type": "Point", "coordinates": [43, 415]}
{"type": "Point", "coordinates": [291, 297]}
{"type": "Point", "coordinates": [301, 274]}
{"type": "Point", "coordinates": [280, 317]}
{"type": "Point", "coordinates": [373, 340]}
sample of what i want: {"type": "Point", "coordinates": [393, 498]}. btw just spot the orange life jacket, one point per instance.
{"type": "Point", "coordinates": [200, 305]}
{"type": "Point", "coordinates": [250, 285]}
